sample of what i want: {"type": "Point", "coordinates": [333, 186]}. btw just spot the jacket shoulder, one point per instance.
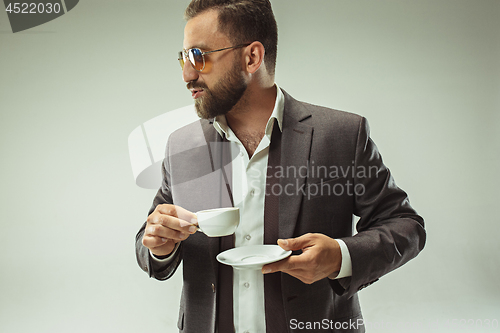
{"type": "Point", "coordinates": [190, 136]}
{"type": "Point", "coordinates": [187, 131]}
{"type": "Point", "coordinates": [320, 116]}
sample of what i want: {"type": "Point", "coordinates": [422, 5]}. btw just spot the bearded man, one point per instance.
{"type": "Point", "coordinates": [277, 160]}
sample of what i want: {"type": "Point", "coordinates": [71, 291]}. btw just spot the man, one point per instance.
{"type": "Point", "coordinates": [297, 172]}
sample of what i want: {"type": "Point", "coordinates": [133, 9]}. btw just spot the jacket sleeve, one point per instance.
{"type": "Point", "coordinates": [390, 232]}
{"type": "Point", "coordinates": [154, 268]}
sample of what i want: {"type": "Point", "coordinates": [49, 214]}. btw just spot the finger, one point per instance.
{"type": "Point", "coordinates": [152, 242]}
{"type": "Point", "coordinates": [295, 244]}
{"type": "Point", "coordinates": [171, 222]}
{"type": "Point", "coordinates": [302, 262]}
{"type": "Point", "coordinates": [179, 212]}
{"type": "Point", "coordinates": [179, 225]}
{"type": "Point", "coordinates": [175, 217]}
{"type": "Point", "coordinates": [272, 268]}
{"type": "Point", "coordinates": [282, 265]}
{"type": "Point", "coordinates": [160, 231]}
{"type": "Point", "coordinates": [159, 249]}
{"type": "Point", "coordinates": [186, 215]}
{"type": "Point", "coordinates": [302, 273]}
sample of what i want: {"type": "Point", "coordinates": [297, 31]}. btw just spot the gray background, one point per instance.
{"type": "Point", "coordinates": [425, 73]}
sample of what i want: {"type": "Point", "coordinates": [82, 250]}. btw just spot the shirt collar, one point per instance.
{"type": "Point", "coordinates": [220, 123]}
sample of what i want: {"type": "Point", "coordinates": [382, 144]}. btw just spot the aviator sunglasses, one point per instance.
{"type": "Point", "coordinates": [197, 57]}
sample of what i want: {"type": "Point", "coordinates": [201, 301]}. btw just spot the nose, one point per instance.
{"type": "Point", "coordinates": [188, 72]}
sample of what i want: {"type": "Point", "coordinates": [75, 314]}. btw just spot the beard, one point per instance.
{"type": "Point", "coordinates": [223, 97]}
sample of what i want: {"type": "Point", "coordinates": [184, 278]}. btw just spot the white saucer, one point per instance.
{"type": "Point", "coordinates": [253, 256]}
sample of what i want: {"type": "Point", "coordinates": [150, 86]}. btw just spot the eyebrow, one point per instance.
{"type": "Point", "coordinates": [200, 46]}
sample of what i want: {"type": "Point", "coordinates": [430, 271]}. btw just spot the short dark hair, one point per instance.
{"type": "Point", "coordinates": [243, 21]}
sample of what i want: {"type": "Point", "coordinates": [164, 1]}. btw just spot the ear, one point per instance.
{"type": "Point", "coordinates": [254, 56]}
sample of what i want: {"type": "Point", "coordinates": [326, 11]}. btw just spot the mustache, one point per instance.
{"type": "Point", "coordinates": [196, 85]}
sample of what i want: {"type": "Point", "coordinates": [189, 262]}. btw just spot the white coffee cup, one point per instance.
{"type": "Point", "coordinates": [219, 221]}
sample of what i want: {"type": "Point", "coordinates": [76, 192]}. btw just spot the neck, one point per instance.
{"type": "Point", "coordinates": [253, 110]}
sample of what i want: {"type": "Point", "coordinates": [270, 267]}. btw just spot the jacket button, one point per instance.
{"type": "Point", "coordinates": [213, 287]}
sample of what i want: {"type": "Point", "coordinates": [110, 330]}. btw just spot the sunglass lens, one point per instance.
{"type": "Point", "coordinates": [181, 59]}
{"type": "Point", "coordinates": [196, 58]}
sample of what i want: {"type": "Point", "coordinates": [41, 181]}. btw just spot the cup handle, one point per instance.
{"type": "Point", "coordinates": [198, 226]}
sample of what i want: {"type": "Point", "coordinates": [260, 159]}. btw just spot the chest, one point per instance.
{"type": "Point", "coordinates": [250, 140]}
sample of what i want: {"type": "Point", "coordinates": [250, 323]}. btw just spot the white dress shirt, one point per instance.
{"type": "Point", "coordinates": [248, 187]}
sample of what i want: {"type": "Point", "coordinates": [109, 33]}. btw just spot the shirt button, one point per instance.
{"type": "Point", "coordinates": [246, 285]}
{"type": "Point", "coordinates": [246, 332]}
{"type": "Point", "coordinates": [213, 287]}
{"type": "Point", "coordinates": [248, 237]}
{"type": "Point", "coordinates": [241, 154]}
{"type": "Point", "coordinates": [252, 193]}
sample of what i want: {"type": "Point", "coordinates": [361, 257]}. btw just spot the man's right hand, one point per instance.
{"type": "Point", "coordinates": [167, 226]}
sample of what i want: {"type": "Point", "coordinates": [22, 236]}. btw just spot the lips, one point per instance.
{"type": "Point", "coordinates": [196, 92]}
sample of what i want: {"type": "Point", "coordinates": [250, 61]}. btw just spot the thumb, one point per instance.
{"type": "Point", "coordinates": [294, 244]}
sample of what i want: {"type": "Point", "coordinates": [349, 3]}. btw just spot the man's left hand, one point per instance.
{"type": "Point", "coordinates": [320, 258]}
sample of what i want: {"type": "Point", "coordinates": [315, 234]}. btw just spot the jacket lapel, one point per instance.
{"type": "Point", "coordinates": [295, 153]}
{"type": "Point", "coordinates": [220, 158]}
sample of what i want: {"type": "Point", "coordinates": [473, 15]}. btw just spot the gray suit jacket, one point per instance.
{"type": "Point", "coordinates": [331, 171]}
